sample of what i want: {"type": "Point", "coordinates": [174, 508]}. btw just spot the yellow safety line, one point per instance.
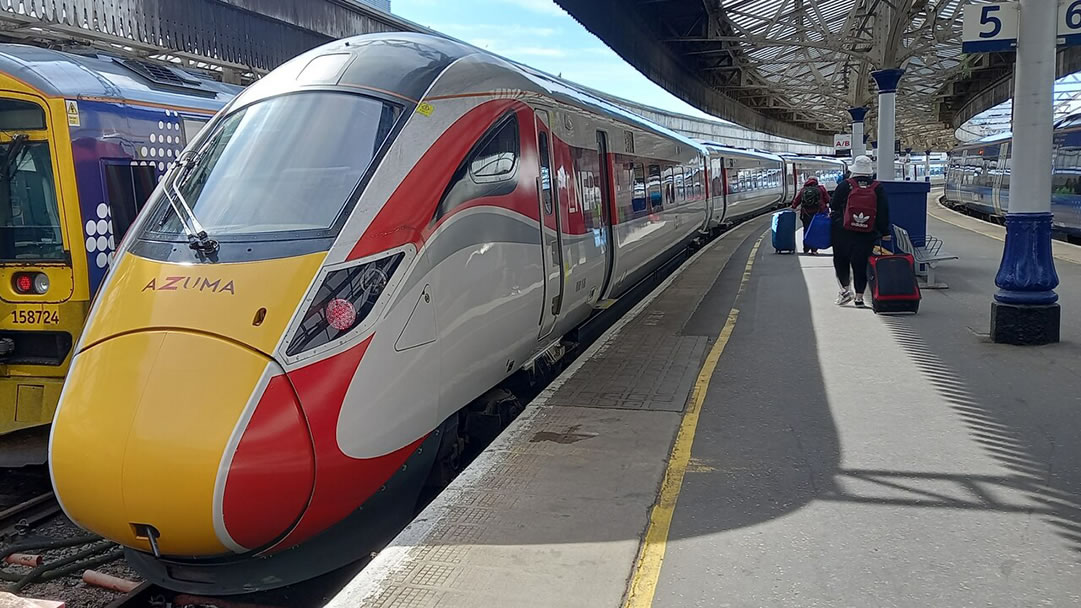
{"type": "Point", "coordinates": [647, 568]}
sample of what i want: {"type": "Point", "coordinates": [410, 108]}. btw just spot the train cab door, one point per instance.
{"type": "Point", "coordinates": [551, 228]}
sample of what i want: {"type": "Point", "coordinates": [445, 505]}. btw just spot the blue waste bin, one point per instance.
{"type": "Point", "coordinates": [908, 208]}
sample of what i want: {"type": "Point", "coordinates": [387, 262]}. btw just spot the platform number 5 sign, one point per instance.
{"type": "Point", "coordinates": [990, 27]}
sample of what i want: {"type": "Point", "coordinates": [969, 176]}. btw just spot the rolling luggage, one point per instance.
{"type": "Point", "coordinates": [784, 231]}
{"type": "Point", "coordinates": [892, 279]}
{"type": "Point", "coordinates": [817, 235]}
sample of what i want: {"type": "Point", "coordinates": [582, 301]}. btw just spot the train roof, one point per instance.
{"type": "Point", "coordinates": [744, 152]}
{"type": "Point", "coordinates": [73, 76]}
{"type": "Point", "coordinates": [819, 159]}
{"type": "Point", "coordinates": [406, 64]}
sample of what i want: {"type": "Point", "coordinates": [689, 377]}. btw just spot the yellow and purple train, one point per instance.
{"type": "Point", "coordinates": [84, 140]}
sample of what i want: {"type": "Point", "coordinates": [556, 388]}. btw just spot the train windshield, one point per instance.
{"type": "Point", "coordinates": [288, 164]}
{"type": "Point", "coordinates": [29, 215]}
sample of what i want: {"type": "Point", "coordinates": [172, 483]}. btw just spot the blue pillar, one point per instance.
{"type": "Point", "coordinates": [887, 81]}
{"type": "Point", "coordinates": [859, 139]}
{"type": "Point", "coordinates": [1025, 309]}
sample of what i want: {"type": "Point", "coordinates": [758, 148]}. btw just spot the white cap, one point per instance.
{"type": "Point", "coordinates": [862, 166]}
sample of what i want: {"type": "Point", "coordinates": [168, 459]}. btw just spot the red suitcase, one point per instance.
{"type": "Point", "coordinates": [892, 279]}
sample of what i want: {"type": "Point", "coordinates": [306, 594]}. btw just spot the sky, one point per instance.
{"type": "Point", "coordinates": [540, 34]}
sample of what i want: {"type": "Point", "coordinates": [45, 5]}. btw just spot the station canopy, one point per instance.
{"type": "Point", "coordinates": [798, 62]}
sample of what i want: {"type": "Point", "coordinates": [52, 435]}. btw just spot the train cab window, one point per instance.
{"type": "Point", "coordinates": [18, 115]}
{"type": "Point", "coordinates": [29, 214]}
{"type": "Point", "coordinates": [263, 172]}
{"type": "Point", "coordinates": [127, 189]}
{"type": "Point", "coordinates": [490, 169]}
{"type": "Point", "coordinates": [656, 198]}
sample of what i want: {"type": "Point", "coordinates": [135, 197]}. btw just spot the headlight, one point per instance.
{"type": "Point", "coordinates": [31, 283]}
{"type": "Point", "coordinates": [342, 302]}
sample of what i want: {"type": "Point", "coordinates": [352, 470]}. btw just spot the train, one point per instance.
{"type": "Point", "coordinates": [316, 308]}
{"type": "Point", "coordinates": [978, 177]}
{"type": "Point", "coordinates": [85, 138]}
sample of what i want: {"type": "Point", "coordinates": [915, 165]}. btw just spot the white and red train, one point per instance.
{"type": "Point", "coordinates": [352, 252]}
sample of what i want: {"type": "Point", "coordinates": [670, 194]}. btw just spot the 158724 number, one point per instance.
{"type": "Point", "coordinates": [35, 317]}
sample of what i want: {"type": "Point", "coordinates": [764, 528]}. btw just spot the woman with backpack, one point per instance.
{"type": "Point", "coordinates": [860, 216]}
{"type": "Point", "coordinates": [811, 200]}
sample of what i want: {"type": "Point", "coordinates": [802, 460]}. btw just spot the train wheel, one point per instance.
{"type": "Point", "coordinates": [486, 417]}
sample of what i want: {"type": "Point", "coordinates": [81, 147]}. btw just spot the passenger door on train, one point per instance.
{"type": "Point", "coordinates": [607, 196]}
{"type": "Point", "coordinates": [999, 195]}
{"type": "Point", "coordinates": [551, 228]}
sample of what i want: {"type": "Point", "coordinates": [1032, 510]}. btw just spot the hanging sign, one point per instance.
{"type": "Point", "coordinates": [993, 27]}
{"type": "Point", "coordinates": [842, 141]}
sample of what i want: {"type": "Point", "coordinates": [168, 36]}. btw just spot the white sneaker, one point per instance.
{"type": "Point", "coordinates": [844, 297]}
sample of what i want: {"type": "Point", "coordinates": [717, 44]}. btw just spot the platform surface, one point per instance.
{"type": "Point", "coordinates": [834, 458]}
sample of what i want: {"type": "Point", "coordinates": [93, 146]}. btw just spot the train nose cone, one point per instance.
{"type": "Point", "coordinates": [186, 434]}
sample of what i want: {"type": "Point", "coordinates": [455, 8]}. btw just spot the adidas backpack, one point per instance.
{"type": "Point", "coordinates": [862, 207]}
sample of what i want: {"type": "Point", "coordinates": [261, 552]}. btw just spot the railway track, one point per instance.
{"type": "Point", "coordinates": [20, 518]}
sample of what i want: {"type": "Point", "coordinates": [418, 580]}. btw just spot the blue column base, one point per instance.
{"type": "Point", "coordinates": [1024, 324]}
{"type": "Point", "coordinates": [1027, 274]}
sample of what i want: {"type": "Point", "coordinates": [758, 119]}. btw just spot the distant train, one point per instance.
{"type": "Point", "coordinates": [84, 140]}
{"type": "Point", "coordinates": [978, 177]}
{"type": "Point", "coordinates": [304, 325]}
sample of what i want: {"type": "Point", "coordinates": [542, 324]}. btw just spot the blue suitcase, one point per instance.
{"type": "Point", "coordinates": [784, 231]}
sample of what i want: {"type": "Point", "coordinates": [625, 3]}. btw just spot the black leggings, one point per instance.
{"type": "Point", "coordinates": [851, 251]}
{"type": "Point", "coordinates": [806, 219]}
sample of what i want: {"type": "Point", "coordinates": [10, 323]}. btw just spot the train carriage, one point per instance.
{"type": "Point", "coordinates": [978, 177]}
{"type": "Point", "coordinates": [743, 183]}
{"type": "Point", "coordinates": [84, 140]}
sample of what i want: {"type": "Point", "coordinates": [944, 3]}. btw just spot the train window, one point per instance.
{"type": "Point", "coordinates": [192, 128]}
{"type": "Point", "coordinates": [127, 188]}
{"type": "Point", "coordinates": [656, 200]}
{"type": "Point", "coordinates": [587, 169]}
{"type": "Point", "coordinates": [29, 215]}
{"type": "Point", "coordinates": [546, 173]}
{"type": "Point", "coordinates": [639, 203]}
{"type": "Point", "coordinates": [264, 171]}
{"type": "Point", "coordinates": [18, 115]}
{"type": "Point", "coordinates": [716, 185]}
{"type": "Point", "coordinates": [668, 181]}
{"type": "Point", "coordinates": [497, 157]}
{"type": "Point", "coordinates": [681, 186]}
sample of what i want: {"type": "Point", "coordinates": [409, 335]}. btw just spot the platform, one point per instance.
{"type": "Point", "coordinates": [739, 440]}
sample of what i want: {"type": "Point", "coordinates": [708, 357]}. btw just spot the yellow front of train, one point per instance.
{"type": "Point", "coordinates": [43, 288]}
{"type": "Point", "coordinates": [158, 442]}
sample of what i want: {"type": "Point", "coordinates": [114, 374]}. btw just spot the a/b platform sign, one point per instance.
{"type": "Point", "coordinates": [992, 26]}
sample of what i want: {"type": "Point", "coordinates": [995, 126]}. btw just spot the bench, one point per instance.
{"type": "Point", "coordinates": [926, 257]}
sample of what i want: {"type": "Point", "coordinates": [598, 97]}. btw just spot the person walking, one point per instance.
{"type": "Point", "coordinates": [860, 216]}
{"type": "Point", "coordinates": [811, 200]}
